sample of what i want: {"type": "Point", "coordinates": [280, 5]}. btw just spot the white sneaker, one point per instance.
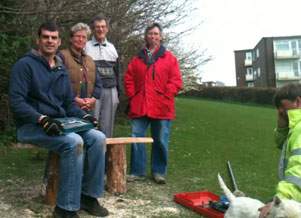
{"type": "Point", "coordinates": [158, 178]}
{"type": "Point", "coordinates": [132, 178]}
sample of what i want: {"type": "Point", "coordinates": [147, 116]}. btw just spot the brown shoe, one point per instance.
{"type": "Point", "coordinates": [92, 206]}
{"type": "Point", "coordinates": [159, 179]}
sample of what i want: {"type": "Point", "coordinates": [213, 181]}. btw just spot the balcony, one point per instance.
{"type": "Point", "coordinates": [248, 62]}
{"type": "Point", "coordinates": [287, 76]}
{"type": "Point", "coordinates": [249, 77]}
{"type": "Point", "coordinates": [286, 55]}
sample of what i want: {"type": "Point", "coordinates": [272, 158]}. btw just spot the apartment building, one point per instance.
{"type": "Point", "coordinates": [273, 62]}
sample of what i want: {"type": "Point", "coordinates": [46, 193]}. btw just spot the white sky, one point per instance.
{"type": "Point", "coordinates": [230, 25]}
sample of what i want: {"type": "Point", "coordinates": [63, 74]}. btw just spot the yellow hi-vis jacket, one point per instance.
{"type": "Point", "coordinates": [289, 186]}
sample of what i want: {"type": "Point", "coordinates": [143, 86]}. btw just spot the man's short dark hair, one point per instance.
{"type": "Point", "coordinates": [48, 25]}
{"type": "Point", "coordinates": [99, 17]}
{"type": "Point", "coordinates": [288, 92]}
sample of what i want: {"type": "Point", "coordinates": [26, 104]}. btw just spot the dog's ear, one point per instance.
{"type": "Point", "coordinates": [277, 200]}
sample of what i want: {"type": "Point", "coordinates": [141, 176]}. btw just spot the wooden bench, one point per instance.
{"type": "Point", "coordinates": [116, 166]}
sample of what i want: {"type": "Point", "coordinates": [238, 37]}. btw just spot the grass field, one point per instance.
{"type": "Point", "coordinates": [204, 136]}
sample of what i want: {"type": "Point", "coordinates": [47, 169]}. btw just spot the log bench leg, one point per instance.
{"type": "Point", "coordinates": [116, 172]}
{"type": "Point", "coordinates": [116, 163]}
{"type": "Point", "coordinates": [116, 168]}
{"type": "Point", "coordinates": [53, 172]}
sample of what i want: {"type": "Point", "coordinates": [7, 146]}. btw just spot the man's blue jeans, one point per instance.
{"type": "Point", "coordinates": [81, 162]}
{"type": "Point", "coordinates": [160, 130]}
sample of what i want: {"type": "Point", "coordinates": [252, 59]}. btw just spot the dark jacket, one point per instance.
{"type": "Point", "coordinates": [36, 89]}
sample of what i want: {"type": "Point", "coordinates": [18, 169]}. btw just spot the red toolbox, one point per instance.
{"type": "Point", "coordinates": [199, 202]}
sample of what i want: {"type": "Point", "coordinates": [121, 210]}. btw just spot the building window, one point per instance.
{"type": "Point", "coordinates": [288, 69]}
{"type": "Point", "coordinates": [282, 45]}
{"type": "Point", "coordinates": [283, 66]}
{"type": "Point", "coordinates": [258, 72]}
{"type": "Point", "coordinates": [251, 84]}
{"type": "Point", "coordinates": [249, 71]}
{"type": "Point", "coordinates": [299, 47]}
{"type": "Point", "coordinates": [296, 68]}
{"type": "Point", "coordinates": [248, 56]}
{"type": "Point", "coordinates": [292, 46]}
{"type": "Point", "coordinates": [257, 53]}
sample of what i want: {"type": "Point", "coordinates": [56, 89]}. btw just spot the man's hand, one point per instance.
{"type": "Point", "coordinates": [264, 211]}
{"type": "Point", "coordinates": [90, 118]}
{"type": "Point", "coordinates": [50, 126]}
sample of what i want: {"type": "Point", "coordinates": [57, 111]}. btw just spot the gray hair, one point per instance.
{"type": "Point", "coordinates": [150, 27]}
{"type": "Point", "coordinates": [99, 17]}
{"type": "Point", "coordinates": [80, 27]}
{"type": "Point", "coordinates": [288, 92]}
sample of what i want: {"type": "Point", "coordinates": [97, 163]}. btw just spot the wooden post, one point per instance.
{"type": "Point", "coordinates": [52, 172]}
{"type": "Point", "coordinates": [116, 168]}
{"type": "Point", "coordinates": [116, 162]}
{"type": "Point", "coordinates": [53, 175]}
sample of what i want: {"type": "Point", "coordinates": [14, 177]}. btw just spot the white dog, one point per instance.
{"type": "Point", "coordinates": [244, 207]}
{"type": "Point", "coordinates": [240, 207]}
{"type": "Point", "coordinates": [285, 209]}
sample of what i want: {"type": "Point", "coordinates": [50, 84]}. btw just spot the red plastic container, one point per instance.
{"type": "Point", "coordinates": [198, 202]}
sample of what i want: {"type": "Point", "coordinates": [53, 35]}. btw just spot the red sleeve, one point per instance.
{"type": "Point", "coordinates": [129, 80]}
{"type": "Point", "coordinates": [174, 83]}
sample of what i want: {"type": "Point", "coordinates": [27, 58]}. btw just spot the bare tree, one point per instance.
{"type": "Point", "coordinates": [127, 20]}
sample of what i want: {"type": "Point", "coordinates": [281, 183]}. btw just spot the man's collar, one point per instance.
{"type": "Point", "coordinates": [95, 42]}
{"type": "Point", "coordinates": [57, 60]}
{"type": "Point", "coordinates": [294, 117]}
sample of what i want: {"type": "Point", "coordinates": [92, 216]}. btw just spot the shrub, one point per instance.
{"type": "Point", "coordinates": [8, 136]}
{"type": "Point", "coordinates": [236, 94]}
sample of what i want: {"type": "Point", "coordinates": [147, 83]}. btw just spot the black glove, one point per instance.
{"type": "Point", "coordinates": [90, 118]}
{"type": "Point", "coordinates": [51, 126]}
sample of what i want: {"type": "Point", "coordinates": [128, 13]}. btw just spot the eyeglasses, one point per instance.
{"type": "Point", "coordinates": [100, 27]}
{"type": "Point", "coordinates": [155, 34]}
{"type": "Point", "coordinates": [80, 37]}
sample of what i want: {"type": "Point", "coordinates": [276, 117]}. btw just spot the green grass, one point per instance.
{"type": "Point", "coordinates": [204, 136]}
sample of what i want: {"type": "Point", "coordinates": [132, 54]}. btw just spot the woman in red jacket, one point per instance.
{"type": "Point", "coordinates": [151, 81]}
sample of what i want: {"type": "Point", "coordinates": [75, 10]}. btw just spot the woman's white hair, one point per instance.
{"type": "Point", "coordinates": [80, 27]}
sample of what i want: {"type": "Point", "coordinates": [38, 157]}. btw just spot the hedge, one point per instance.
{"type": "Point", "coordinates": [235, 94]}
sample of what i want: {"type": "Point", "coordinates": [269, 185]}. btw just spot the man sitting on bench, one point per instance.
{"type": "Point", "coordinates": [40, 90]}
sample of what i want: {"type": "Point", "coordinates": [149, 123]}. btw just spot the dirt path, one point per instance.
{"type": "Point", "coordinates": [144, 199]}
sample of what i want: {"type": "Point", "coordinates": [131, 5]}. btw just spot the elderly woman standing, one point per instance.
{"type": "Point", "coordinates": [86, 85]}
{"type": "Point", "coordinates": [151, 81]}
{"type": "Point", "coordinates": [86, 82]}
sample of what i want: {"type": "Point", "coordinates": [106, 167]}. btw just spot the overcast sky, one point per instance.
{"type": "Point", "coordinates": [230, 25]}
